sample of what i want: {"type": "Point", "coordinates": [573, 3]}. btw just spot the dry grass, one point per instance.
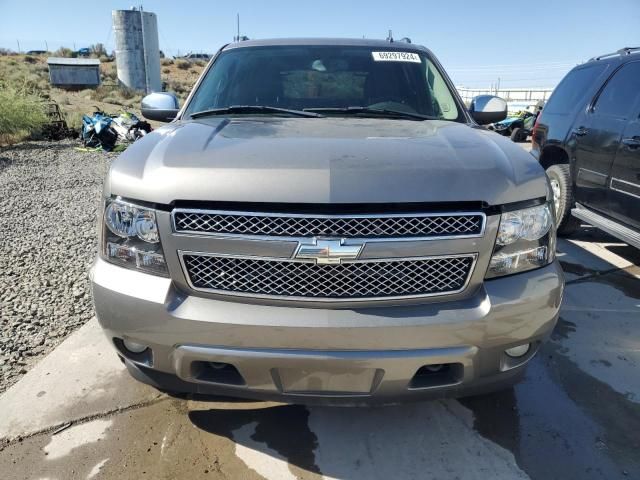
{"type": "Point", "coordinates": [30, 74]}
{"type": "Point", "coordinates": [183, 64]}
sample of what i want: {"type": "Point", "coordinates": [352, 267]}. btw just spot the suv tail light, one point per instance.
{"type": "Point", "coordinates": [534, 143]}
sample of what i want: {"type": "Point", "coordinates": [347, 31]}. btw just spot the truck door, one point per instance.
{"type": "Point", "coordinates": [597, 135]}
{"type": "Point", "coordinates": [624, 192]}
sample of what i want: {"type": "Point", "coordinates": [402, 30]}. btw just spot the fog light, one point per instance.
{"type": "Point", "coordinates": [218, 365]}
{"type": "Point", "coordinates": [519, 351]}
{"type": "Point", "coordinates": [434, 368]}
{"type": "Point", "coordinates": [134, 347]}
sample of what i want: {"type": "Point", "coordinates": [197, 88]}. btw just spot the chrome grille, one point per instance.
{"type": "Point", "coordinates": [353, 280]}
{"type": "Point", "coordinates": [344, 226]}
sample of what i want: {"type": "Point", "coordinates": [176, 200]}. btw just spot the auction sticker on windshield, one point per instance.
{"type": "Point", "coordinates": [396, 57]}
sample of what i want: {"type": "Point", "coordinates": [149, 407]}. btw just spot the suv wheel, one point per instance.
{"type": "Point", "coordinates": [518, 135]}
{"type": "Point", "coordinates": [560, 179]}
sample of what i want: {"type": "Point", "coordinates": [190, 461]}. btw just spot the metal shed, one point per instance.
{"type": "Point", "coordinates": [74, 72]}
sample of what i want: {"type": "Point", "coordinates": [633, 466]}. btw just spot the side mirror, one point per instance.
{"type": "Point", "coordinates": [487, 109]}
{"type": "Point", "coordinates": [160, 106]}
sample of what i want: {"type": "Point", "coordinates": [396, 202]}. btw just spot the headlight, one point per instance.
{"type": "Point", "coordinates": [130, 237]}
{"type": "Point", "coordinates": [526, 240]}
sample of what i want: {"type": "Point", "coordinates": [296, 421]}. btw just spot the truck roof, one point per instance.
{"type": "Point", "coordinates": [327, 41]}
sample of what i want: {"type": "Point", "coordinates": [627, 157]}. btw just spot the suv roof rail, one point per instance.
{"type": "Point", "coordinates": [621, 52]}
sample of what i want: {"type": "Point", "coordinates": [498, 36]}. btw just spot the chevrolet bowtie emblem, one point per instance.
{"type": "Point", "coordinates": [327, 251]}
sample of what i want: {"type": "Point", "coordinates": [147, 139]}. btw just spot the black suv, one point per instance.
{"type": "Point", "coordinates": [588, 140]}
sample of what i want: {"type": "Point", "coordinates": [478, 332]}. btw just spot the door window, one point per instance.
{"type": "Point", "coordinates": [573, 88]}
{"type": "Point", "coordinates": [620, 93]}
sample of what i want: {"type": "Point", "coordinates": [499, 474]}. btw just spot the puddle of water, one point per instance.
{"type": "Point", "coordinates": [577, 269]}
{"type": "Point", "coordinates": [561, 422]}
{"type": "Point", "coordinates": [282, 429]}
{"type": "Point", "coordinates": [132, 443]}
{"type": "Point", "coordinates": [563, 329]}
{"type": "Point", "coordinates": [266, 462]}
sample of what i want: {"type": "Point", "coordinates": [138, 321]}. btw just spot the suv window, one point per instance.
{"type": "Point", "coordinates": [299, 77]}
{"type": "Point", "coordinates": [620, 93]}
{"type": "Point", "coordinates": [573, 88]}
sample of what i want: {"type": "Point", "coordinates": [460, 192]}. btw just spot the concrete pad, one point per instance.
{"type": "Point", "coordinates": [604, 252]}
{"type": "Point", "coordinates": [430, 440]}
{"type": "Point", "coordinates": [262, 440]}
{"type": "Point", "coordinates": [64, 443]}
{"type": "Point", "coordinates": [584, 260]}
{"type": "Point", "coordinates": [600, 326]}
{"type": "Point", "coordinates": [81, 378]}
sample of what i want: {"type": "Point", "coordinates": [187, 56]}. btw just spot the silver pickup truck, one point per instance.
{"type": "Point", "coordinates": [325, 221]}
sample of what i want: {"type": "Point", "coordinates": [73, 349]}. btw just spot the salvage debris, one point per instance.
{"type": "Point", "coordinates": [62, 428]}
{"type": "Point", "coordinates": [107, 132]}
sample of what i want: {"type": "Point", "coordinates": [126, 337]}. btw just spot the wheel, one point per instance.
{"type": "Point", "coordinates": [560, 179]}
{"type": "Point", "coordinates": [518, 134]}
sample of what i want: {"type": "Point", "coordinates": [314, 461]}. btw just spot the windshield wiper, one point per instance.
{"type": "Point", "coordinates": [240, 109]}
{"type": "Point", "coordinates": [371, 111]}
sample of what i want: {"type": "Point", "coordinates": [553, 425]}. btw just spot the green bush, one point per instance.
{"type": "Point", "coordinates": [110, 75]}
{"type": "Point", "coordinates": [183, 64]}
{"type": "Point", "coordinates": [127, 93]}
{"type": "Point", "coordinates": [98, 50]}
{"type": "Point", "coordinates": [22, 114]}
{"type": "Point", "coordinates": [112, 99]}
{"type": "Point", "coordinates": [99, 93]}
{"type": "Point", "coordinates": [30, 59]}
{"type": "Point", "coordinates": [178, 87]}
{"type": "Point", "coordinates": [118, 95]}
{"type": "Point", "coordinates": [166, 62]}
{"type": "Point", "coordinates": [64, 52]}
{"type": "Point", "coordinates": [74, 120]}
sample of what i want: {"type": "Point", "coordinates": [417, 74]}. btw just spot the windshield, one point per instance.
{"type": "Point", "coordinates": [326, 77]}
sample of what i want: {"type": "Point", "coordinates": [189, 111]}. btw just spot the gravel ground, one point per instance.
{"type": "Point", "coordinates": [49, 196]}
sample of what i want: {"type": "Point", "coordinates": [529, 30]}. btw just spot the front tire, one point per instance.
{"type": "Point", "coordinates": [562, 188]}
{"type": "Point", "coordinates": [518, 135]}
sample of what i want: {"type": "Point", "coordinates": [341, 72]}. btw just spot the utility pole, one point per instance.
{"type": "Point", "coordinates": [46, 46]}
{"type": "Point", "coordinates": [18, 41]}
{"type": "Point", "coordinates": [237, 37]}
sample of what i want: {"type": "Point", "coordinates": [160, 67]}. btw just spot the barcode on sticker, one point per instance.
{"type": "Point", "coordinates": [396, 57]}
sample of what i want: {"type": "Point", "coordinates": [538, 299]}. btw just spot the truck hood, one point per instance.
{"type": "Point", "coordinates": [325, 160]}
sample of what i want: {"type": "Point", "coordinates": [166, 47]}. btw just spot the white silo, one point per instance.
{"type": "Point", "coordinates": [137, 49]}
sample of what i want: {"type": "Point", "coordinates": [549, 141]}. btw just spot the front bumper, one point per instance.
{"type": "Point", "coordinates": [326, 355]}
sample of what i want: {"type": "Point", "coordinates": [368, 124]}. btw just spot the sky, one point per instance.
{"type": "Point", "coordinates": [523, 44]}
